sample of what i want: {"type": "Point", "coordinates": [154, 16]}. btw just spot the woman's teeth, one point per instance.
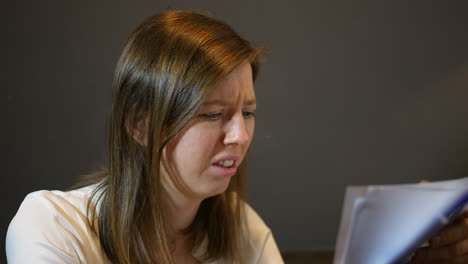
{"type": "Point", "coordinates": [225, 163]}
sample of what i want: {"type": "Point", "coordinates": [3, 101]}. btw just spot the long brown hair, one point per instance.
{"type": "Point", "coordinates": [169, 65]}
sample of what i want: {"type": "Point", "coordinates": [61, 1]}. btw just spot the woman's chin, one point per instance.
{"type": "Point", "coordinates": [215, 189]}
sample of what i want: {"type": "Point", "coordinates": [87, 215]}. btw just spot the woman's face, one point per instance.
{"type": "Point", "coordinates": [207, 153]}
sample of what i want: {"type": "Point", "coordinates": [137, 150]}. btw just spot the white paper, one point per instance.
{"type": "Point", "coordinates": [383, 224]}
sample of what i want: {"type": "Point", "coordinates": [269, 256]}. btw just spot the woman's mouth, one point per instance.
{"type": "Point", "coordinates": [225, 163]}
{"type": "Point", "coordinates": [225, 167]}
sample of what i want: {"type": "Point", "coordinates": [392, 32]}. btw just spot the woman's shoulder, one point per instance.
{"type": "Point", "coordinates": [55, 204]}
{"type": "Point", "coordinates": [52, 225]}
{"type": "Point", "coordinates": [74, 197]}
{"type": "Point", "coordinates": [255, 223]}
{"type": "Point", "coordinates": [261, 245]}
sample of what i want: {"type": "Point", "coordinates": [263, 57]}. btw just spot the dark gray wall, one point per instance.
{"type": "Point", "coordinates": [354, 92]}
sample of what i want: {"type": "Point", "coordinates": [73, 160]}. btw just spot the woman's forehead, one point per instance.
{"type": "Point", "coordinates": [237, 86]}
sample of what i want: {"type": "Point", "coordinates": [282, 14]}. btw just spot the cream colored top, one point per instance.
{"type": "Point", "coordinates": [52, 227]}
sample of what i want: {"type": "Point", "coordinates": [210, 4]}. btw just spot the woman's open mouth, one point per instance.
{"type": "Point", "coordinates": [225, 167]}
{"type": "Point", "coordinates": [225, 163]}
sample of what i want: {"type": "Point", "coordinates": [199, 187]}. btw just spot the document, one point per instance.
{"type": "Point", "coordinates": [385, 224]}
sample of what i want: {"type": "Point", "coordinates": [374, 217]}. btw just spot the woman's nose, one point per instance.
{"type": "Point", "coordinates": [237, 131]}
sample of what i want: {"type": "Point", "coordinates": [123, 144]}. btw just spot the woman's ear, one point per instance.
{"type": "Point", "coordinates": [138, 129]}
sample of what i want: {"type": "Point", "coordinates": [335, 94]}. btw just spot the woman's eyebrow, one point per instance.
{"type": "Point", "coordinates": [216, 102]}
{"type": "Point", "coordinates": [251, 101]}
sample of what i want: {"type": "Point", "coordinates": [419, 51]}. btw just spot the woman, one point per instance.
{"type": "Point", "coordinates": [182, 121]}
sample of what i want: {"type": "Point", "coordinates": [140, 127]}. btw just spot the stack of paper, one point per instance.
{"type": "Point", "coordinates": [385, 224]}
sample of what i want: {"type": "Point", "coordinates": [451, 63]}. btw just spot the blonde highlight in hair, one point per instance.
{"type": "Point", "coordinates": [171, 62]}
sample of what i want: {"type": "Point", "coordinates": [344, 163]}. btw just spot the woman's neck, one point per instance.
{"type": "Point", "coordinates": [181, 212]}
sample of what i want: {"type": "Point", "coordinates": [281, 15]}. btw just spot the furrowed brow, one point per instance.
{"type": "Point", "coordinates": [216, 102]}
{"type": "Point", "coordinates": [222, 102]}
{"type": "Point", "coordinates": [251, 102]}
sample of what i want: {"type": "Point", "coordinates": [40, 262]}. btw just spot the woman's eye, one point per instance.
{"type": "Point", "coordinates": [214, 116]}
{"type": "Point", "coordinates": [248, 114]}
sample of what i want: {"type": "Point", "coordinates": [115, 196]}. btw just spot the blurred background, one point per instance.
{"type": "Point", "coordinates": [353, 92]}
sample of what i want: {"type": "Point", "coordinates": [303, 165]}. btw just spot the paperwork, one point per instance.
{"type": "Point", "coordinates": [385, 224]}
